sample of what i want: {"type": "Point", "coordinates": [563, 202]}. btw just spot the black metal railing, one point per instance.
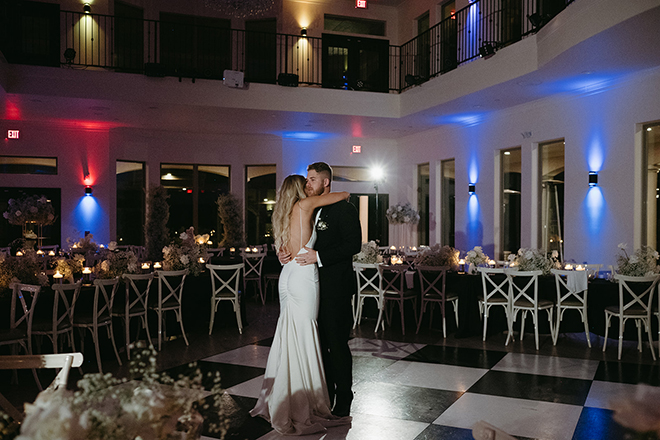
{"type": "Point", "coordinates": [161, 48]}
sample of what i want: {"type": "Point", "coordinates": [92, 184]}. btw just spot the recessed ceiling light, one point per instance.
{"type": "Point", "coordinates": [507, 153]}
{"type": "Point", "coordinates": [649, 129]}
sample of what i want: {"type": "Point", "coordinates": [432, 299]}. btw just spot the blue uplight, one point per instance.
{"type": "Point", "coordinates": [594, 205]}
{"type": "Point", "coordinates": [466, 119]}
{"type": "Point", "coordinates": [474, 225]}
{"type": "Point", "coordinates": [305, 135]}
{"type": "Point", "coordinates": [89, 216]}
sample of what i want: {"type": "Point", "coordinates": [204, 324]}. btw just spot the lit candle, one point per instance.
{"type": "Point", "coordinates": [232, 249]}
{"type": "Point", "coordinates": [254, 249]}
{"type": "Point", "coordinates": [145, 265]}
{"type": "Point", "coordinates": [580, 267]}
{"type": "Point", "coordinates": [51, 253]}
{"type": "Point", "coordinates": [568, 267]}
{"type": "Point", "coordinates": [86, 271]}
{"type": "Point", "coordinates": [209, 243]}
{"type": "Point", "coordinates": [40, 252]}
{"type": "Point", "coordinates": [392, 248]}
{"type": "Point", "coordinates": [201, 260]}
{"type": "Point", "coordinates": [157, 265]}
{"type": "Point", "coordinates": [491, 263]}
{"type": "Point", "coordinates": [101, 246]}
{"type": "Point", "coordinates": [75, 245]}
{"type": "Point", "coordinates": [58, 275]}
{"type": "Point", "coordinates": [414, 248]}
{"type": "Point", "coordinates": [19, 254]}
{"type": "Point", "coordinates": [247, 249]}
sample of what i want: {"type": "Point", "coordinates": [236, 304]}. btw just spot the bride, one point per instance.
{"type": "Point", "coordinates": [294, 397]}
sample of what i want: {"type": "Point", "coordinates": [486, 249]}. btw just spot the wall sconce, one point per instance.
{"type": "Point", "coordinates": [487, 49]}
{"type": "Point", "coordinates": [593, 178]}
{"type": "Point", "coordinates": [88, 190]}
{"type": "Point", "coordinates": [303, 32]}
{"type": "Point", "coordinates": [472, 188]}
{"type": "Point", "coordinates": [87, 9]}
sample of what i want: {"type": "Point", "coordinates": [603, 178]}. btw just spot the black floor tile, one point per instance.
{"type": "Point", "coordinates": [439, 432]}
{"type": "Point", "coordinates": [628, 373]}
{"type": "Point", "coordinates": [230, 375]}
{"type": "Point", "coordinates": [402, 402]}
{"type": "Point", "coordinates": [529, 386]}
{"type": "Point", "coordinates": [597, 424]}
{"type": "Point", "coordinates": [265, 342]}
{"type": "Point", "coordinates": [235, 412]}
{"type": "Point", "coordinates": [460, 356]}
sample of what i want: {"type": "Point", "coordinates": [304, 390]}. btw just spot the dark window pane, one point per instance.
{"type": "Point", "coordinates": [352, 25]}
{"type": "Point", "coordinates": [130, 202]}
{"type": "Point", "coordinates": [260, 197]}
{"type": "Point", "coordinates": [28, 165]}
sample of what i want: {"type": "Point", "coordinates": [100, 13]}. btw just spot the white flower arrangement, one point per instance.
{"type": "Point", "coordinates": [534, 259]}
{"type": "Point", "coordinates": [368, 254]}
{"type": "Point", "coordinates": [401, 214]}
{"type": "Point", "coordinates": [32, 209]}
{"type": "Point", "coordinates": [116, 263]}
{"type": "Point", "coordinates": [476, 256]}
{"type": "Point", "coordinates": [104, 407]}
{"type": "Point", "coordinates": [644, 262]}
{"type": "Point", "coordinates": [187, 254]}
{"type": "Point", "coordinates": [437, 255]}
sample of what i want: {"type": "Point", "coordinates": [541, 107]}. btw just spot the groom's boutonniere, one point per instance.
{"type": "Point", "coordinates": [321, 225]}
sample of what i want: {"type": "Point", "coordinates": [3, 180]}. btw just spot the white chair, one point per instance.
{"type": "Point", "coordinates": [23, 301]}
{"type": "Point", "coordinates": [495, 293]}
{"type": "Point", "coordinates": [170, 293]}
{"type": "Point", "coordinates": [224, 287]}
{"type": "Point", "coordinates": [96, 315]}
{"type": "Point", "coordinates": [216, 252]}
{"type": "Point", "coordinates": [135, 305]}
{"type": "Point", "coordinates": [55, 321]}
{"type": "Point", "coordinates": [525, 298]}
{"type": "Point", "coordinates": [635, 302]}
{"type": "Point", "coordinates": [368, 287]}
{"type": "Point", "coordinates": [572, 291]}
{"type": "Point", "coordinates": [432, 281]}
{"type": "Point", "coordinates": [253, 264]}
{"type": "Point", "coordinates": [64, 361]}
{"type": "Point", "coordinates": [392, 282]}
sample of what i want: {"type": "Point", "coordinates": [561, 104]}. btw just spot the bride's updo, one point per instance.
{"type": "Point", "coordinates": [292, 190]}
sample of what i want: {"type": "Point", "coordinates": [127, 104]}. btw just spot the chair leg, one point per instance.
{"type": "Point", "coordinates": [456, 311]}
{"type": "Point", "coordinates": [585, 321]}
{"type": "Point", "coordinates": [95, 339]}
{"type": "Point", "coordinates": [621, 324]}
{"type": "Point", "coordinates": [607, 328]}
{"type": "Point", "coordinates": [160, 327]}
{"type": "Point", "coordinates": [639, 334]}
{"type": "Point", "coordinates": [648, 331]}
{"type": "Point", "coordinates": [421, 314]}
{"type": "Point", "coordinates": [145, 322]}
{"type": "Point", "coordinates": [111, 335]}
{"type": "Point", "coordinates": [214, 309]}
{"type": "Point", "coordinates": [484, 318]}
{"type": "Point", "coordinates": [380, 321]}
{"type": "Point", "coordinates": [180, 318]}
{"type": "Point", "coordinates": [237, 309]}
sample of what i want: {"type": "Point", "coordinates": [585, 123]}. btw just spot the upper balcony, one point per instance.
{"type": "Point", "coordinates": [202, 47]}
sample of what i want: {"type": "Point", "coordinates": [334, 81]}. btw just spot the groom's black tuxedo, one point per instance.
{"type": "Point", "coordinates": [338, 238]}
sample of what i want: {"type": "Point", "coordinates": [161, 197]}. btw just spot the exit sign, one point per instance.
{"type": "Point", "coordinates": [357, 149]}
{"type": "Point", "coordinates": [12, 134]}
{"type": "Point", "coordinates": [361, 4]}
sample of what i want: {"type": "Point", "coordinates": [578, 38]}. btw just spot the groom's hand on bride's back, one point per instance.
{"type": "Point", "coordinates": [284, 256]}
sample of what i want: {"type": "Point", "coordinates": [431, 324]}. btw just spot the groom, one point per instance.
{"type": "Point", "coordinates": [338, 238]}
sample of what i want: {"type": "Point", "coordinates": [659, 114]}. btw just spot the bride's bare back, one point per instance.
{"type": "Point", "coordinates": [302, 215]}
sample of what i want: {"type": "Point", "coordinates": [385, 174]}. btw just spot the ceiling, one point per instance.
{"type": "Point", "coordinates": [597, 63]}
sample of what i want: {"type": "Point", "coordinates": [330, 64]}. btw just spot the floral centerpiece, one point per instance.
{"type": "Point", "coordinates": [644, 262]}
{"type": "Point", "coordinates": [83, 245]}
{"type": "Point", "coordinates": [476, 256]}
{"type": "Point", "coordinates": [189, 254]}
{"type": "Point", "coordinates": [368, 254]}
{"type": "Point", "coordinates": [533, 259]}
{"type": "Point", "coordinates": [116, 263]}
{"type": "Point", "coordinates": [67, 267]}
{"type": "Point", "coordinates": [437, 255]}
{"type": "Point", "coordinates": [402, 214]}
{"type": "Point", "coordinates": [639, 411]}
{"type": "Point", "coordinates": [104, 407]}
{"type": "Point", "coordinates": [25, 269]}
{"type": "Point", "coordinates": [31, 209]}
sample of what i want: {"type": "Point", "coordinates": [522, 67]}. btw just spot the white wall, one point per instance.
{"type": "Point", "coordinates": [601, 122]}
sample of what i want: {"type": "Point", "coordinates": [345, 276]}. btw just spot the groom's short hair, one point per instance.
{"type": "Point", "coordinates": [321, 168]}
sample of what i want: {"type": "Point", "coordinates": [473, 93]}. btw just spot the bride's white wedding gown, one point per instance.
{"type": "Point", "coordinates": [294, 397]}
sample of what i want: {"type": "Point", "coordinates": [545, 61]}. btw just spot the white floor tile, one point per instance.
{"type": "Point", "coordinates": [436, 376]}
{"type": "Point", "coordinates": [548, 366]}
{"type": "Point", "coordinates": [381, 348]}
{"type": "Point", "coordinates": [602, 394]}
{"type": "Point", "coordinates": [518, 417]}
{"type": "Point", "coordinates": [250, 388]}
{"type": "Point", "coordinates": [250, 356]}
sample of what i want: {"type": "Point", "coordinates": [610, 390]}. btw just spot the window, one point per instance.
{"type": "Point", "coordinates": [552, 197]}
{"type": "Point", "coordinates": [131, 178]}
{"type": "Point", "coordinates": [351, 174]}
{"type": "Point", "coordinates": [193, 191]}
{"type": "Point", "coordinates": [448, 199]}
{"type": "Point", "coordinates": [423, 203]}
{"type": "Point", "coordinates": [510, 199]}
{"type": "Point", "coordinates": [260, 193]}
{"type": "Point", "coordinates": [352, 25]}
{"type": "Point", "coordinates": [651, 142]}
{"type": "Point", "coordinates": [28, 165]}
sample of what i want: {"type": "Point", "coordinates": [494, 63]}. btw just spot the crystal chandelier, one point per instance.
{"type": "Point", "coordinates": [240, 8]}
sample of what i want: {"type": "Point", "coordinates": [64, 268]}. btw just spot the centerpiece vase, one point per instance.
{"type": "Point", "coordinates": [403, 235]}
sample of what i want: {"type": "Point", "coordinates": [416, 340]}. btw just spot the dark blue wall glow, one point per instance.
{"type": "Point", "coordinates": [89, 215]}
{"type": "Point", "coordinates": [594, 206]}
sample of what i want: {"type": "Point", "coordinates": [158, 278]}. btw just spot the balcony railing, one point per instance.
{"type": "Point", "coordinates": [161, 48]}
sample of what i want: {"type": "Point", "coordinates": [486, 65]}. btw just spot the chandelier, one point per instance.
{"type": "Point", "coordinates": [240, 8]}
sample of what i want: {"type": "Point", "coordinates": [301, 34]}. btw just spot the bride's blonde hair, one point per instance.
{"type": "Point", "coordinates": [292, 190]}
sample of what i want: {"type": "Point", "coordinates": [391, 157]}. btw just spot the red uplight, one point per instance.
{"type": "Point", "coordinates": [189, 191]}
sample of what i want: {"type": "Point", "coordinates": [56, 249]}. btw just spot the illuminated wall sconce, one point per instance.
{"type": "Point", "coordinates": [593, 178]}
{"type": "Point", "coordinates": [472, 188]}
{"type": "Point", "coordinates": [87, 9]}
{"type": "Point", "coordinates": [303, 32]}
{"type": "Point", "coordinates": [88, 190]}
